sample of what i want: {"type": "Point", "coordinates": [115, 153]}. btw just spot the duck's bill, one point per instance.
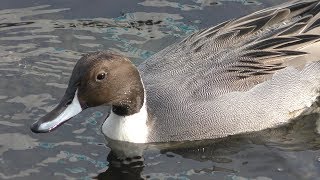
{"type": "Point", "coordinates": [62, 113]}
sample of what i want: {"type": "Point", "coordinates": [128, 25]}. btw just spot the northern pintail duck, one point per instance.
{"type": "Point", "coordinates": [243, 75]}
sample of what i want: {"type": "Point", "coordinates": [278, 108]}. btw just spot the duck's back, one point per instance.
{"type": "Point", "coordinates": [243, 75]}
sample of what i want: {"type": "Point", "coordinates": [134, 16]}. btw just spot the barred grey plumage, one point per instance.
{"type": "Point", "coordinates": [242, 75]}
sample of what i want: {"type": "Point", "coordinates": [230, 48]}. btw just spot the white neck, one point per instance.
{"type": "Point", "coordinates": [132, 128]}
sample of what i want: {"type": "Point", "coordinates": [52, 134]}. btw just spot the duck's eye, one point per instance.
{"type": "Point", "coordinates": [101, 76]}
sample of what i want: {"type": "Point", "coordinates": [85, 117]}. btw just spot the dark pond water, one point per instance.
{"type": "Point", "coordinates": [41, 40]}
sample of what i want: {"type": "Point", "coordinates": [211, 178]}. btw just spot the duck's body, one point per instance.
{"type": "Point", "coordinates": [243, 75]}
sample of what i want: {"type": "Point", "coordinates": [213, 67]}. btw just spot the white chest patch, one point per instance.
{"type": "Point", "coordinates": [131, 128]}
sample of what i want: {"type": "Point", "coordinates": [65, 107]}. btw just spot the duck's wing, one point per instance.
{"type": "Point", "coordinates": [238, 54]}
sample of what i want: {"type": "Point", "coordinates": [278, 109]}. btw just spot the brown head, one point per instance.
{"type": "Point", "coordinates": [97, 78]}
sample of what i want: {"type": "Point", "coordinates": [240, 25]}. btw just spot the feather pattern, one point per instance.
{"type": "Point", "coordinates": [234, 60]}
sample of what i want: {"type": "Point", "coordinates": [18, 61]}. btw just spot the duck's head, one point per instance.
{"type": "Point", "coordinates": [97, 78]}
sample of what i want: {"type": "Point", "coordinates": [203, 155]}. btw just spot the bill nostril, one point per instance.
{"type": "Point", "coordinates": [69, 102]}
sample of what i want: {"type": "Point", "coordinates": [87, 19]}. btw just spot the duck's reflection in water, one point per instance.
{"type": "Point", "coordinates": [129, 168]}
{"type": "Point", "coordinates": [248, 154]}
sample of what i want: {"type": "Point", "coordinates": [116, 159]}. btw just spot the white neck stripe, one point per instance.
{"type": "Point", "coordinates": [132, 128]}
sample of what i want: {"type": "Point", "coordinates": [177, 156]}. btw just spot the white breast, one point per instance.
{"type": "Point", "coordinates": [131, 128]}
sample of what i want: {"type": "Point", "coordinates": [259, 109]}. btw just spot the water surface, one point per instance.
{"type": "Point", "coordinates": [40, 42]}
